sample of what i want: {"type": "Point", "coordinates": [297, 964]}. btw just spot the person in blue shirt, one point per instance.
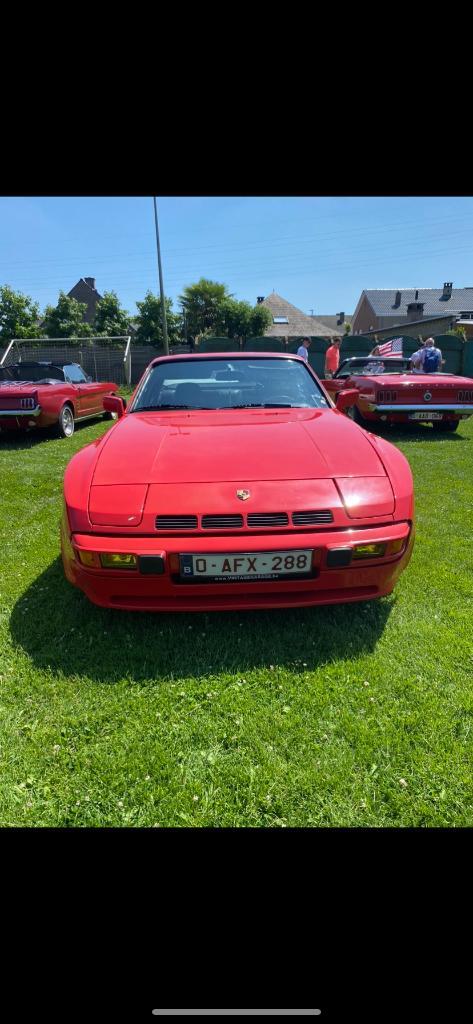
{"type": "Point", "coordinates": [431, 357]}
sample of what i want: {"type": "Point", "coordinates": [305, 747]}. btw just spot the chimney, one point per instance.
{"type": "Point", "coordinates": [259, 299]}
{"type": "Point", "coordinates": [397, 300]}
{"type": "Point", "coordinates": [447, 290]}
{"type": "Point", "coordinates": [90, 281]}
{"type": "Point", "coordinates": [415, 310]}
{"type": "Point", "coordinates": [341, 318]}
{"type": "Point", "coordinates": [416, 296]}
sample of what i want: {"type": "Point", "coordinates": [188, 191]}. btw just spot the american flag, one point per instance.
{"type": "Point", "coordinates": [390, 347]}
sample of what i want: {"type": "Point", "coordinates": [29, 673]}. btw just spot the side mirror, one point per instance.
{"type": "Point", "coordinates": [112, 403]}
{"type": "Point", "coordinates": [345, 399]}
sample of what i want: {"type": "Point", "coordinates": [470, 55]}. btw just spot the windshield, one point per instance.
{"type": "Point", "coordinates": [373, 364]}
{"type": "Point", "coordinates": [223, 384]}
{"type": "Point", "coordinates": [31, 372]}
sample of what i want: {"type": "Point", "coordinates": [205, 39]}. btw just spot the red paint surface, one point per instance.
{"type": "Point", "coordinates": [193, 463]}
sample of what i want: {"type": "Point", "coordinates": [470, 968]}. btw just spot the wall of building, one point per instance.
{"type": "Point", "coordinates": [365, 318]}
{"type": "Point", "coordinates": [83, 293]}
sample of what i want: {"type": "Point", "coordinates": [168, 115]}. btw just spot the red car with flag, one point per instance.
{"type": "Point", "coordinates": [389, 391]}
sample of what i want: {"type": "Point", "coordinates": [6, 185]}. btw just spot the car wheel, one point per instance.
{"type": "Point", "coordinates": [65, 426]}
{"type": "Point", "coordinates": [447, 425]}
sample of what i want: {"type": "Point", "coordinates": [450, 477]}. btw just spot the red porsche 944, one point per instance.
{"type": "Point", "coordinates": [231, 482]}
{"type": "Point", "coordinates": [46, 394]}
{"type": "Point", "coordinates": [389, 392]}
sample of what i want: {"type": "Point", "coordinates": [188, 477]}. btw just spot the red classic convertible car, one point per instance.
{"type": "Point", "coordinates": [45, 394]}
{"type": "Point", "coordinates": [389, 392]}
{"type": "Point", "coordinates": [230, 482]}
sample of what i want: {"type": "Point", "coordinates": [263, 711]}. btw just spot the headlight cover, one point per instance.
{"type": "Point", "coordinates": [367, 496]}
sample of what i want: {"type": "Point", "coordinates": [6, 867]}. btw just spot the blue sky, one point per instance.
{"type": "Point", "coordinates": [318, 252]}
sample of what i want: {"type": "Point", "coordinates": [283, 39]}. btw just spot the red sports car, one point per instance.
{"type": "Point", "coordinates": [45, 394]}
{"type": "Point", "coordinates": [231, 482]}
{"type": "Point", "coordinates": [390, 392]}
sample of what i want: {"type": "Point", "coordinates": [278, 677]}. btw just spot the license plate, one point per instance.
{"type": "Point", "coordinates": [426, 416]}
{"type": "Point", "coordinates": [236, 566]}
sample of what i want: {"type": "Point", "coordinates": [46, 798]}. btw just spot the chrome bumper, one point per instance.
{"type": "Point", "coordinates": [427, 407]}
{"type": "Point", "coordinates": [20, 412]}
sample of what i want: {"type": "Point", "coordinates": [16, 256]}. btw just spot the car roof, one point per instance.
{"type": "Point", "coordinates": [191, 357]}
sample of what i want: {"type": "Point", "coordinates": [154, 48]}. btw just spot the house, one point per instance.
{"type": "Point", "coordinates": [336, 321]}
{"type": "Point", "coordinates": [430, 326]}
{"type": "Point", "coordinates": [85, 291]}
{"type": "Point", "coordinates": [290, 322]}
{"type": "Point", "coordinates": [379, 308]}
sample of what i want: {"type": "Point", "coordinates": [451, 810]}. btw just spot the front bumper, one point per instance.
{"type": "Point", "coordinates": [131, 590]}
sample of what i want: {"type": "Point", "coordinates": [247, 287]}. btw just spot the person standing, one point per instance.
{"type": "Point", "coordinates": [431, 359]}
{"type": "Point", "coordinates": [416, 359]}
{"type": "Point", "coordinates": [332, 358]}
{"type": "Point", "coordinates": [303, 350]}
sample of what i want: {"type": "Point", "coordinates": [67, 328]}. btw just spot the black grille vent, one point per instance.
{"type": "Point", "coordinates": [222, 522]}
{"type": "Point", "coordinates": [465, 396]}
{"type": "Point", "coordinates": [176, 522]}
{"type": "Point", "coordinates": [386, 396]}
{"type": "Point", "coordinates": [267, 519]}
{"type": "Point", "coordinates": [309, 518]}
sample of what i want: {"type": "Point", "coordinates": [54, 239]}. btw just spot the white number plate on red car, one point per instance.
{"type": "Point", "coordinates": [257, 565]}
{"type": "Point", "coordinates": [426, 416]}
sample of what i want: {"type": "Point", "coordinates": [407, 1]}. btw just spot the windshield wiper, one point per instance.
{"type": "Point", "coordinates": [159, 408]}
{"type": "Point", "coordinates": [263, 405]}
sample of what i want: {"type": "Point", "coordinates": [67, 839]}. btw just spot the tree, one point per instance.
{"type": "Point", "coordinates": [110, 318]}
{"type": "Point", "coordinates": [149, 322]}
{"type": "Point", "coordinates": [347, 328]}
{"type": "Point", "coordinates": [234, 318]}
{"type": "Point", "coordinates": [458, 331]}
{"type": "Point", "coordinates": [260, 320]}
{"type": "Point", "coordinates": [201, 305]}
{"type": "Point", "coordinates": [18, 315]}
{"type": "Point", "coordinates": [66, 319]}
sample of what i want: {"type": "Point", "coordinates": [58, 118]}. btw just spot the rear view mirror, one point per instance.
{"type": "Point", "coordinates": [345, 399]}
{"type": "Point", "coordinates": [112, 403]}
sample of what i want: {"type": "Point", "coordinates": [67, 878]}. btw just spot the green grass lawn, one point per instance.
{"type": "Point", "coordinates": [356, 715]}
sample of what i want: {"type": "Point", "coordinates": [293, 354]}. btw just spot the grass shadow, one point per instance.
{"type": "Point", "coordinates": [421, 433]}
{"type": "Point", "coordinates": [22, 440]}
{"type": "Point", "coordinates": [59, 629]}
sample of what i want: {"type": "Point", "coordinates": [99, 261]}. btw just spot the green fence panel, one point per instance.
{"type": "Point", "coordinates": [467, 358]}
{"type": "Point", "coordinates": [218, 345]}
{"type": "Point", "coordinates": [265, 345]}
{"type": "Point", "coordinates": [452, 351]}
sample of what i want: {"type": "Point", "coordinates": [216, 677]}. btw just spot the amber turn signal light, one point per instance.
{"type": "Point", "coordinates": [89, 558]}
{"type": "Point", "coordinates": [369, 551]}
{"type": "Point", "coordinates": [118, 561]}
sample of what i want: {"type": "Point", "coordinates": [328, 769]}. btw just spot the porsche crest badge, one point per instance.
{"type": "Point", "coordinates": [243, 495]}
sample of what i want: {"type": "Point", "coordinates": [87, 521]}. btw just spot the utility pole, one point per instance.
{"type": "Point", "coordinates": [161, 287]}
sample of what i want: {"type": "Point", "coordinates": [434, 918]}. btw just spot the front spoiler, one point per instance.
{"type": "Point", "coordinates": [134, 590]}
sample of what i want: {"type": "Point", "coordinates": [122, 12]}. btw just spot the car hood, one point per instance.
{"type": "Point", "coordinates": [206, 447]}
